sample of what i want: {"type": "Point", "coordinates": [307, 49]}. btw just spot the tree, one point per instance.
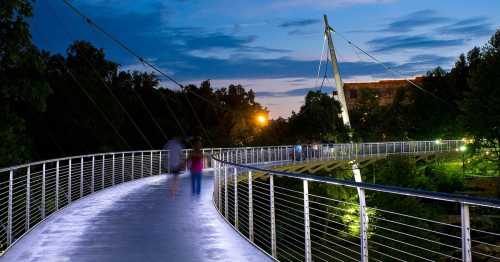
{"type": "Point", "coordinates": [23, 90]}
{"type": "Point", "coordinates": [318, 120]}
{"type": "Point", "coordinates": [480, 109]}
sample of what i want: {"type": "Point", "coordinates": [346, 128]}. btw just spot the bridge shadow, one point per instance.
{"type": "Point", "coordinates": [138, 221]}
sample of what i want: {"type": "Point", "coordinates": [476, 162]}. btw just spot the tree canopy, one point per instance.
{"type": "Point", "coordinates": [82, 102]}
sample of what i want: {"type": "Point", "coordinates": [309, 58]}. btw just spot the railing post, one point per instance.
{"type": "Point", "coordinates": [219, 183]}
{"type": "Point", "coordinates": [92, 182]}
{"type": "Point", "coordinates": [133, 164]}
{"type": "Point", "coordinates": [69, 180]}
{"type": "Point", "coordinates": [159, 164]}
{"type": "Point", "coordinates": [185, 157]}
{"type": "Point", "coordinates": [28, 197]}
{"type": "Point", "coordinates": [123, 167]}
{"type": "Point", "coordinates": [102, 171]}
{"type": "Point", "coordinates": [307, 152]}
{"type": "Point", "coordinates": [57, 186]}
{"type": "Point", "coordinates": [42, 204]}
{"type": "Point", "coordinates": [250, 208]}
{"type": "Point", "coordinates": [142, 164]}
{"type": "Point", "coordinates": [273, 218]}
{"type": "Point", "coordinates": [363, 220]}
{"type": "Point", "coordinates": [235, 198]}
{"type": "Point", "coordinates": [9, 208]}
{"type": "Point", "coordinates": [151, 164]}
{"type": "Point", "coordinates": [466, 238]}
{"type": "Point", "coordinates": [113, 169]}
{"type": "Point", "coordinates": [81, 177]}
{"type": "Point", "coordinates": [226, 204]}
{"type": "Point", "coordinates": [307, 229]}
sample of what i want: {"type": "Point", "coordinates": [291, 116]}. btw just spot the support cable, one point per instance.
{"type": "Point", "coordinates": [108, 88]}
{"type": "Point", "coordinates": [91, 99]}
{"type": "Point", "coordinates": [320, 61]}
{"type": "Point", "coordinates": [389, 69]}
{"type": "Point", "coordinates": [142, 60]}
{"type": "Point", "coordinates": [133, 53]}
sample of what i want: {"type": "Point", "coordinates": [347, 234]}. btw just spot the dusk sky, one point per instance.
{"type": "Point", "coordinates": [272, 46]}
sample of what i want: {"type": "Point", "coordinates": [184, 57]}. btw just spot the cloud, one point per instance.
{"type": "Point", "coordinates": [294, 92]}
{"type": "Point", "coordinates": [414, 20]}
{"type": "Point", "coordinates": [197, 53]}
{"type": "Point", "coordinates": [476, 26]}
{"type": "Point", "coordinates": [432, 59]}
{"type": "Point", "coordinates": [325, 3]}
{"type": "Point", "coordinates": [300, 23]}
{"type": "Point", "coordinates": [402, 42]}
{"type": "Point", "coordinates": [419, 64]}
{"type": "Point", "coordinates": [301, 32]}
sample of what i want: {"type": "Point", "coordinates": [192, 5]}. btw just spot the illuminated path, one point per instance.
{"type": "Point", "coordinates": [138, 221]}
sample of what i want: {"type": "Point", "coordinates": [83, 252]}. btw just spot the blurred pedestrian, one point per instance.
{"type": "Point", "coordinates": [196, 166]}
{"type": "Point", "coordinates": [297, 149]}
{"type": "Point", "coordinates": [175, 162]}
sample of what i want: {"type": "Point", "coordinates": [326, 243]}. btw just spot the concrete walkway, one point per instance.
{"type": "Point", "coordinates": [144, 220]}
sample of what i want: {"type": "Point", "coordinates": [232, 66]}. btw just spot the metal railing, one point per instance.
{"type": "Point", "coordinates": [302, 217]}
{"type": "Point", "coordinates": [30, 193]}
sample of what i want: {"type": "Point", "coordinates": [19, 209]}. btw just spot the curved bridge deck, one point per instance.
{"type": "Point", "coordinates": [138, 221]}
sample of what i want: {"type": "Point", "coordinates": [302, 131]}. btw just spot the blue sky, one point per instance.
{"type": "Point", "coordinates": [272, 46]}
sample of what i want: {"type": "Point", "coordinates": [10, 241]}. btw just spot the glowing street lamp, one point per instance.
{"type": "Point", "coordinates": [262, 119]}
{"type": "Point", "coordinates": [463, 148]}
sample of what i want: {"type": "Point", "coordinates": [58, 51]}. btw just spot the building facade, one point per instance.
{"type": "Point", "coordinates": [385, 90]}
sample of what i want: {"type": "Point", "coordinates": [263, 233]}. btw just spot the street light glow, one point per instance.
{"type": "Point", "coordinates": [463, 148]}
{"type": "Point", "coordinates": [262, 119]}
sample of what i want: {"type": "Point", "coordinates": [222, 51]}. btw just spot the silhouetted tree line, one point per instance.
{"type": "Point", "coordinates": [462, 102]}
{"type": "Point", "coordinates": [81, 102]}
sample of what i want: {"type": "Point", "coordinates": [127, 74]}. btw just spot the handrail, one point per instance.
{"type": "Point", "coordinates": [404, 191]}
{"type": "Point", "coordinates": [290, 223]}
{"type": "Point", "coordinates": [30, 193]}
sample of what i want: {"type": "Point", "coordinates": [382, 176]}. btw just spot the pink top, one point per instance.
{"type": "Point", "coordinates": [196, 163]}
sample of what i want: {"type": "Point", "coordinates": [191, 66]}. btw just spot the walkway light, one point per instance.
{"type": "Point", "coordinates": [438, 141]}
{"type": "Point", "coordinates": [463, 148]}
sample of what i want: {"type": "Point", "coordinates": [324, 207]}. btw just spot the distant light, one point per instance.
{"type": "Point", "coordinates": [463, 148]}
{"type": "Point", "coordinates": [438, 141]}
{"type": "Point", "coordinates": [468, 140]}
{"type": "Point", "coordinates": [262, 119]}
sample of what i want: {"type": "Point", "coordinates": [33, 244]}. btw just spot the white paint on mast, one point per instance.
{"type": "Point", "coordinates": [339, 85]}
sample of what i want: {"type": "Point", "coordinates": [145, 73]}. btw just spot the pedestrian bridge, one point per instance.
{"type": "Point", "coordinates": [256, 205]}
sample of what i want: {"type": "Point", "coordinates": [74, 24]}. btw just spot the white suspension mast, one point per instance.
{"type": "Point", "coordinates": [339, 85]}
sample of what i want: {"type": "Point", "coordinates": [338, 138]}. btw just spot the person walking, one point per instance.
{"type": "Point", "coordinates": [175, 163]}
{"type": "Point", "coordinates": [196, 166]}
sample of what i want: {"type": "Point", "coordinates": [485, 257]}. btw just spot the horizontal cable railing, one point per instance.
{"type": "Point", "coordinates": [303, 217]}
{"type": "Point", "coordinates": [32, 192]}
{"type": "Point", "coordinates": [29, 193]}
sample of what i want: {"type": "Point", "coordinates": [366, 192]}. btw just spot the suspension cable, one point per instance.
{"type": "Point", "coordinates": [389, 69]}
{"type": "Point", "coordinates": [320, 60]}
{"type": "Point", "coordinates": [101, 79]}
{"type": "Point", "coordinates": [142, 60]}
{"type": "Point", "coordinates": [87, 94]}
{"type": "Point", "coordinates": [117, 41]}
